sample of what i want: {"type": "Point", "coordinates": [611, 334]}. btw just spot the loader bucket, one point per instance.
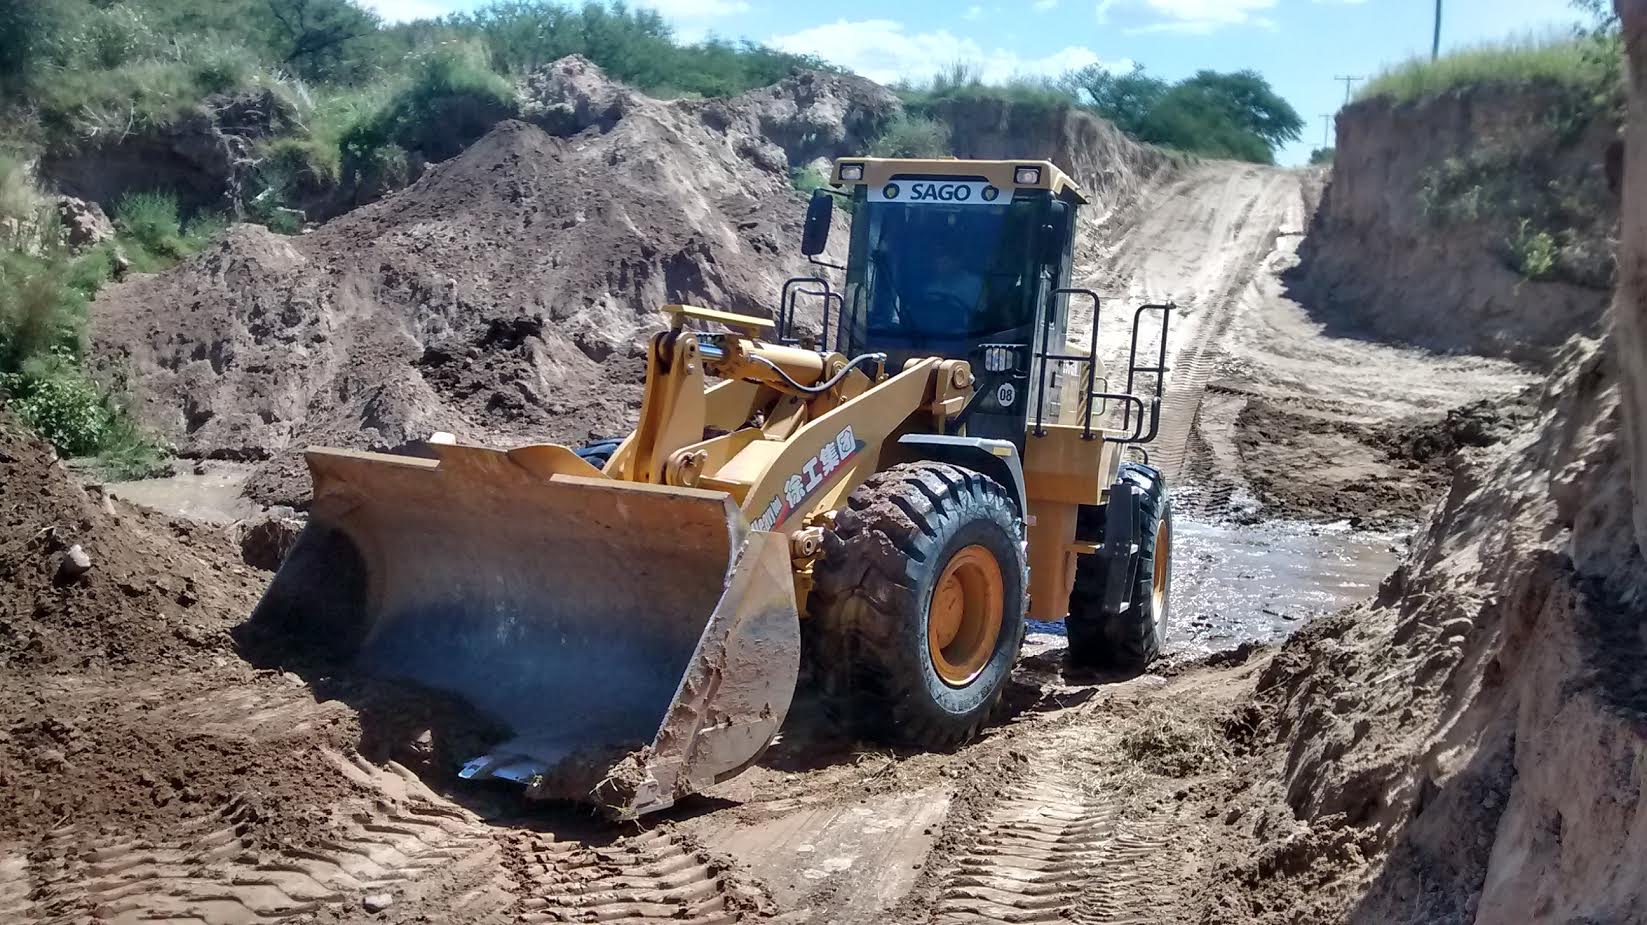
{"type": "Point", "coordinates": [639, 641]}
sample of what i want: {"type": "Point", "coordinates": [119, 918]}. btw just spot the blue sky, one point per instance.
{"type": "Point", "coordinates": [1299, 45]}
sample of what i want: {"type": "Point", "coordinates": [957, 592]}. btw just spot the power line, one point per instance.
{"type": "Point", "coordinates": [1348, 83]}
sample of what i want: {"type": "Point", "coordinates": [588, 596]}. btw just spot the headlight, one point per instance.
{"type": "Point", "coordinates": [1027, 176]}
{"type": "Point", "coordinates": [998, 359]}
{"type": "Point", "coordinates": [852, 171]}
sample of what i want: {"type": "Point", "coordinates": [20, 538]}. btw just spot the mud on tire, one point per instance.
{"type": "Point", "coordinates": [867, 635]}
{"type": "Point", "coordinates": [1131, 639]}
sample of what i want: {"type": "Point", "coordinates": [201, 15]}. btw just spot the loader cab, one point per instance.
{"type": "Point", "coordinates": [964, 260]}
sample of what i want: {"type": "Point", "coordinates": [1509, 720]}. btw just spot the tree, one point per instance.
{"type": "Point", "coordinates": [314, 37]}
{"type": "Point", "coordinates": [1246, 97]}
{"type": "Point", "coordinates": [1124, 99]}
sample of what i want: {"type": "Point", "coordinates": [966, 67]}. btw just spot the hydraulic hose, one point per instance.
{"type": "Point", "coordinates": [822, 387]}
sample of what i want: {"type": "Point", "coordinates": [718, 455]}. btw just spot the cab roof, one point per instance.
{"type": "Point", "coordinates": [1005, 174]}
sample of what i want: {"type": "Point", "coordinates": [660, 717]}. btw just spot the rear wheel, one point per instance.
{"type": "Point", "coordinates": [917, 612]}
{"type": "Point", "coordinates": [1130, 638]}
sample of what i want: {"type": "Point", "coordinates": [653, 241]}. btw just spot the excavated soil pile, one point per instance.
{"type": "Point", "coordinates": [108, 667]}
{"type": "Point", "coordinates": [1315, 466]}
{"type": "Point", "coordinates": [504, 297]}
{"type": "Point", "coordinates": [147, 770]}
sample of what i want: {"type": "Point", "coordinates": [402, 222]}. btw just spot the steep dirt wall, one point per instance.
{"type": "Point", "coordinates": [1472, 747]}
{"type": "Point", "coordinates": [1630, 309]}
{"type": "Point", "coordinates": [1475, 221]}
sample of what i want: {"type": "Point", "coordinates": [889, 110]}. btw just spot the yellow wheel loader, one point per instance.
{"type": "Point", "coordinates": [889, 496]}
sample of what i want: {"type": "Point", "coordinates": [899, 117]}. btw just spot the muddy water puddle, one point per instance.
{"type": "Point", "coordinates": [1258, 583]}
{"type": "Point", "coordinates": [209, 492]}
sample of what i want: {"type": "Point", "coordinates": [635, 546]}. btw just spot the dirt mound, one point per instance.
{"type": "Point", "coordinates": [1308, 464]}
{"type": "Point", "coordinates": [150, 591]}
{"type": "Point", "coordinates": [146, 770]}
{"type": "Point", "coordinates": [504, 297]}
{"type": "Point", "coordinates": [100, 661]}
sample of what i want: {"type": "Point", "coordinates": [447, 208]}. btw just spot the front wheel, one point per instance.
{"type": "Point", "coordinates": [1128, 637]}
{"type": "Point", "coordinates": [917, 612]}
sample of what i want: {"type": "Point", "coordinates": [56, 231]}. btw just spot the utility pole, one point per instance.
{"type": "Point", "coordinates": [1348, 83]}
{"type": "Point", "coordinates": [1326, 127]}
{"type": "Point", "coordinates": [1435, 44]}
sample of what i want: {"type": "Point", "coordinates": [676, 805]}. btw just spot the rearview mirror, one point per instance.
{"type": "Point", "coordinates": [1052, 233]}
{"type": "Point", "coordinates": [819, 213]}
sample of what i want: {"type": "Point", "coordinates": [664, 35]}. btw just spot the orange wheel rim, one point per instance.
{"type": "Point", "coordinates": [964, 616]}
{"type": "Point", "coordinates": [1163, 568]}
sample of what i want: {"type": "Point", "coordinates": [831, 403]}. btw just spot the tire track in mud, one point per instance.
{"type": "Point", "coordinates": [652, 877]}
{"type": "Point", "coordinates": [212, 871]}
{"type": "Point", "coordinates": [1064, 846]}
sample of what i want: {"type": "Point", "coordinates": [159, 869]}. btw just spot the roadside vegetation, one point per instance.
{"type": "Point", "coordinates": [45, 288]}
{"type": "Point", "coordinates": [361, 105]}
{"type": "Point", "coordinates": [1226, 115]}
{"type": "Point", "coordinates": [1548, 219]}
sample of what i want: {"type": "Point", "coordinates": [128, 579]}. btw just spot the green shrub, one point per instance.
{"type": "Point", "coordinates": [449, 100]}
{"type": "Point", "coordinates": [29, 29]}
{"type": "Point", "coordinates": [40, 312]}
{"type": "Point", "coordinates": [913, 136]}
{"type": "Point", "coordinates": [151, 221]}
{"type": "Point", "coordinates": [108, 38]}
{"type": "Point", "coordinates": [807, 179]}
{"type": "Point", "coordinates": [632, 45]}
{"type": "Point", "coordinates": [1533, 252]}
{"type": "Point", "coordinates": [126, 452]}
{"type": "Point", "coordinates": [58, 403]}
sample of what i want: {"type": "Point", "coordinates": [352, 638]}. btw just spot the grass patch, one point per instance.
{"type": "Point", "coordinates": [152, 232]}
{"type": "Point", "coordinates": [44, 294]}
{"type": "Point", "coordinates": [807, 179]}
{"type": "Point", "coordinates": [1562, 60]}
{"type": "Point", "coordinates": [450, 99]}
{"type": "Point", "coordinates": [1533, 252]}
{"type": "Point", "coordinates": [1175, 747]}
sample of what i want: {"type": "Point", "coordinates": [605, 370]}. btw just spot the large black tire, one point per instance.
{"type": "Point", "coordinates": [1131, 639]}
{"type": "Point", "coordinates": [871, 605]}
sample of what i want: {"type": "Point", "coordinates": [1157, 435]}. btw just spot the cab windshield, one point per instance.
{"type": "Point", "coordinates": [939, 277]}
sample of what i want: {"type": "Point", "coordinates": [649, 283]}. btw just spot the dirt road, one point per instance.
{"type": "Point", "coordinates": [1095, 800]}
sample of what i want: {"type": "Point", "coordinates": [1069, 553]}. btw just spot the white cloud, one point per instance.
{"type": "Point", "coordinates": [973, 12]}
{"type": "Point", "coordinates": [1201, 17]}
{"type": "Point", "coordinates": [697, 9]}
{"type": "Point", "coordinates": [1103, 11]}
{"type": "Point", "coordinates": [883, 51]}
{"type": "Point", "coordinates": [408, 10]}
{"type": "Point", "coordinates": [1044, 5]}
